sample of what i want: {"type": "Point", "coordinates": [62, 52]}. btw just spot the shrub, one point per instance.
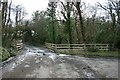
{"type": "Point", "coordinates": [13, 51]}
{"type": "Point", "coordinates": [92, 49]}
{"type": "Point", "coordinates": [4, 54]}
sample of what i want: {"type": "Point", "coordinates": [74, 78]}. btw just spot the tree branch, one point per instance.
{"type": "Point", "coordinates": [103, 7]}
{"type": "Point", "coordinates": [64, 15]}
{"type": "Point", "coordinates": [9, 13]}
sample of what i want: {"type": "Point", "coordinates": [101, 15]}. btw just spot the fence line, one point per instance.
{"type": "Point", "coordinates": [19, 45]}
{"type": "Point", "coordinates": [104, 47]}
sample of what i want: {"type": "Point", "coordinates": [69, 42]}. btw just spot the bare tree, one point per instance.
{"type": "Point", "coordinates": [67, 14]}
{"type": "Point", "coordinates": [113, 10]}
{"type": "Point", "coordinates": [76, 26]}
{"type": "Point", "coordinates": [19, 14]}
{"type": "Point", "coordinates": [9, 14]}
{"type": "Point", "coordinates": [78, 7]}
{"type": "Point", "coordinates": [4, 13]}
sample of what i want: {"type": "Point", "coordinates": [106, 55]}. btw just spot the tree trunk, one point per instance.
{"type": "Point", "coordinates": [81, 22]}
{"type": "Point", "coordinates": [68, 23]}
{"type": "Point", "coordinates": [9, 13]}
{"type": "Point", "coordinates": [4, 13]}
{"type": "Point", "coordinates": [16, 18]}
{"type": "Point", "coordinates": [78, 32]}
{"type": "Point", "coordinates": [53, 28]}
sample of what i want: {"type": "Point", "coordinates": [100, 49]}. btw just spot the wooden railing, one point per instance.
{"type": "Point", "coordinates": [104, 47]}
{"type": "Point", "coordinates": [19, 45]}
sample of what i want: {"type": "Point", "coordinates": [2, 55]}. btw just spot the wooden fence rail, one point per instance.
{"type": "Point", "coordinates": [104, 47]}
{"type": "Point", "coordinates": [19, 45]}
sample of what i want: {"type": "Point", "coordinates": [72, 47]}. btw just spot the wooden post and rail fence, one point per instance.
{"type": "Point", "coordinates": [17, 44]}
{"type": "Point", "coordinates": [81, 47]}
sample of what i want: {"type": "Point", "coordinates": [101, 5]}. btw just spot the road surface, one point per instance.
{"type": "Point", "coordinates": [41, 63]}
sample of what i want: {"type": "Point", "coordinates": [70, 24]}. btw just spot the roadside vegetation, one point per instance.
{"type": "Point", "coordinates": [96, 54]}
{"type": "Point", "coordinates": [4, 54]}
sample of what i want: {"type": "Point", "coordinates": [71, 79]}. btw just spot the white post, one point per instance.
{"type": "Point", "coordinates": [107, 47]}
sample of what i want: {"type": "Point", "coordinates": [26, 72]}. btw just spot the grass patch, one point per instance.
{"type": "Point", "coordinates": [102, 54]}
{"type": "Point", "coordinates": [90, 53]}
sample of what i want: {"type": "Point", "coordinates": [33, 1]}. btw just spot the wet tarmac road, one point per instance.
{"type": "Point", "coordinates": [42, 63]}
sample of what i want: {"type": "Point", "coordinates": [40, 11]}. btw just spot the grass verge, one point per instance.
{"type": "Point", "coordinates": [105, 54]}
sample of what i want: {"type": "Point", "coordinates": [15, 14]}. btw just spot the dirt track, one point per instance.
{"type": "Point", "coordinates": [41, 63]}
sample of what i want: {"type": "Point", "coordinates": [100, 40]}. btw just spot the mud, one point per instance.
{"type": "Point", "coordinates": [42, 63]}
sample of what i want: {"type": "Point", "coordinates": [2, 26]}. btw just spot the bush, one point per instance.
{"type": "Point", "coordinates": [13, 51]}
{"type": "Point", "coordinates": [92, 49]}
{"type": "Point", "coordinates": [4, 54]}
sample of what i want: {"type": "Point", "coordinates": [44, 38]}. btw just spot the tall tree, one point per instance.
{"type": "Point", "coordinates": [51, 10]}
{"type": "Point", "coordinates": [77, 5]}
{"type": "Point", "coordinates": [38, 25]}
{"type": "Point", "coordinates": [4, 12]}
{"type": "Point", "coordinates": [113, 9]}
{"type": "Point", "coordinates": [9, 14]}
{"type": "Point", "coordinates": [76, 26]}
{"type": "Point", "coordinates": [19, 14]}
{"type": "Point", "coordinates": [67, 19]}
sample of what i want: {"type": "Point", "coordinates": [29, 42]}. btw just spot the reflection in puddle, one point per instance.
{"type": "Point", "coordinates": [88, 75]}
{"type": "Point", "coordinates": [26, 66]}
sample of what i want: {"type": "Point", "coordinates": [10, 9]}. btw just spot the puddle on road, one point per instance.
{"type": "Point", "coordinates": [88, 74]}
{"type": "Point", "coordinates": [63, 55]}
{"type": "Point", "coordinates": [53, 57]}
{"type": "Point", "coordinates": [39, 52]}
{"type": "Point", "coordinates": [12, 67]}
{"type": "Point", "coordinates": [37, 61]}
{"type": "Point", "coordinates": [35, 51]}
{"type": "Point", "coordinates": [26, 66]}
